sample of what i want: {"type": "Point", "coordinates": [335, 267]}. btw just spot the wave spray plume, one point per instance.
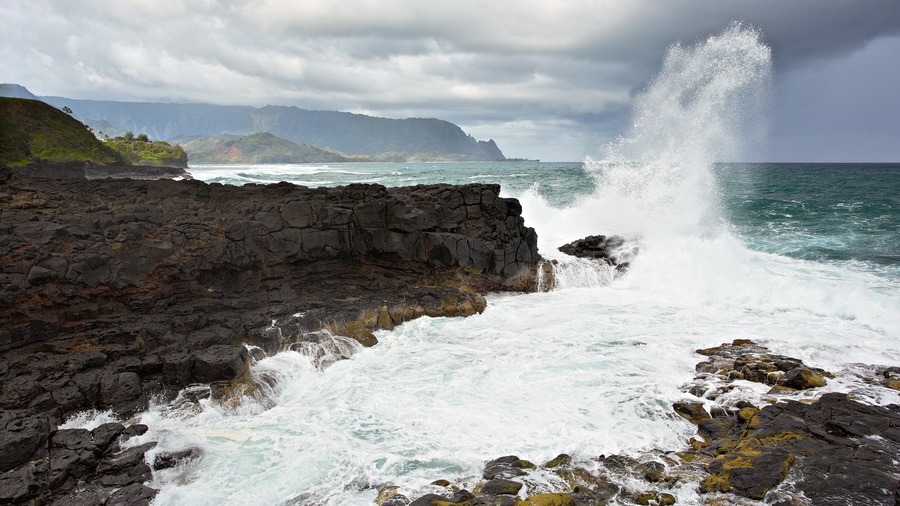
{"type": "Point", "coordinates": [706, 105]}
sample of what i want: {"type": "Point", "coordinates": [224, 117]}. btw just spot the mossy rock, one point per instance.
{"type": "Point", "coordinates": [780, 389]}
{"type": "Point", "coordinates": [747, 413]}
{"type": "Point", "coordinates": [501, 486]}
{"type": "Point", "coordinates": [693, 411]}
{"type": "Point", "coordinates": [716, 483]}
{"type": "Point", "coordinates": [751, 469]}
{"type": "Point", "coordinates": [802, 378]}
{"type": "Point", "coordinates": [646, 497]}
{"type": "Point", "coordinates": [665, 499]}
{"type": "Point", "coordinates": [548, 500]}
{"type": "Point", "coordinates": [386, 493]}
{"type": "Point", "coordinates": [727, 445]}
{"type": "Point", "coordinates": [697, 444]}
{"type": "Point", "coordinates": [578, 477]}
{"type": "Point", "coordinates": [231, 393]}
{"type": "Point", "coordinates": [526, 464]}
{"type": "Point", "coordinates": [726, 346]}
{"type": "Point", "coordinates": [560, 460]}
{"type": "Point", "coordinates": [690, 457]}
{"type": "Point", "coordinates": [655, 497]}
{"type": "Point", "coordinates": [652, 471]}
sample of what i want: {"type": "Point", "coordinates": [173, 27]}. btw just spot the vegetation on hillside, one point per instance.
{"type": "Point", "coordinates": [32, 131]}
{"type": "Point", "coordinates": [140, 150]}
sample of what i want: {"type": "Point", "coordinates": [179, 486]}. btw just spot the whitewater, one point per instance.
{"type": "Point", "coordinates": [793, 257]}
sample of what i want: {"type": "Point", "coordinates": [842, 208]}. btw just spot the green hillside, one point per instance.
{"type": "Point", "coordinates": [32, 131]}
{"type": "Point", "coordinates": [257, 148]}
{"type": "Point", "coordinates": [141, 150]}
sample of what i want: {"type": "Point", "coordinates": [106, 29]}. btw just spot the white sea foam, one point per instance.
{"type": "Point", "coordinates": [89, 419]}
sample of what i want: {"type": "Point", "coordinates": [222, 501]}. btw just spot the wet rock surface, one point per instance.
{"type": "Point", "coordinates": [613, 250]}
{"type": "Point", "coordinates": [113, 291]}
{"type": "Point", "coordinates": [834, 449]}
{"type": "Point", "coordinates": [830, 450]}
{"type": "Point", "coordinates": [72, 458]}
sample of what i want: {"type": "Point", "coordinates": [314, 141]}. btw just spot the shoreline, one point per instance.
{"type": "Point", "coordinates": [139, 288]}
{"type": "Point", "coordinates": [88, 170]}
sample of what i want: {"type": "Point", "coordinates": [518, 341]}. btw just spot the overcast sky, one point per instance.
{"type": "Point", "coordinates": [549, 79]}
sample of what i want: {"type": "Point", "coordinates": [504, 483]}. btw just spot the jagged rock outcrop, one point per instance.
{"type": "Point", "coordinates": [114, 290]}
{"type": "Point", "coordinates": [834, 449]}
{"type": "Point", "coordinates": [613, 250]}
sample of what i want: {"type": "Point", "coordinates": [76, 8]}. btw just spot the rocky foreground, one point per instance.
{"type": "Point", "coordinates": [796, 450]}
{"type": "Point", "coordinates": [113, 291]}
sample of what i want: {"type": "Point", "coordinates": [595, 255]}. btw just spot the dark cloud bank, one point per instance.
{"type": "Point", "coordinates": [550, 80]}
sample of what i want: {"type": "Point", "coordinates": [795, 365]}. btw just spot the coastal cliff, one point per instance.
{"type": "Point", "coordinates": [116, 290]}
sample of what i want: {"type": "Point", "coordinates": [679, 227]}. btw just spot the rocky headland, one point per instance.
{"type": "Point", "coordinates": [113, 291]}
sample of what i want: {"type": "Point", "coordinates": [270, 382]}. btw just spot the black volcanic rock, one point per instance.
{"type": "Point", "coordinates": [147, 247]}
{"type": "Point", "coordinates": [838, 450]}
{"type": "Point", "coordinates": [608, 249]}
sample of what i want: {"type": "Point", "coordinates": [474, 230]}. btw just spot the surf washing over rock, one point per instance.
{"type": "Point", "coordinates": [589, 369]}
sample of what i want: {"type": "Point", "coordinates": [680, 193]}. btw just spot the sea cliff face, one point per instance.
{"type": "Point", "coordinates": [114, 290]}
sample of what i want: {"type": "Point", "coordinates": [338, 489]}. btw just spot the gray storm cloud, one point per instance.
{"type": "Point", "coordinates": [552, 80]}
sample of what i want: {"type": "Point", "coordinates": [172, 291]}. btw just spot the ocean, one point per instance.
{"type": "Point", "coordinates": [801, 258]}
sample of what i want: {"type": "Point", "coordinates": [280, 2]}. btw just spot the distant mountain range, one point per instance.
{"type": "Point", "coordinates": [259, 148]}
{"type": "Point", "coordinates": [418, 139]}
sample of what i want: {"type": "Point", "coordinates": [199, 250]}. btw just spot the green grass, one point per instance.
{"type": "Point", "coordinates": [155, 153]}
{"type": "Point", "coordinates": [32, 132]}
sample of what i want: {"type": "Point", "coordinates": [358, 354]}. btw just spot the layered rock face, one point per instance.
{"type": "Point", "coordinates": [79, 255]}
{"type": "Point", "coordinates": [113, 290]}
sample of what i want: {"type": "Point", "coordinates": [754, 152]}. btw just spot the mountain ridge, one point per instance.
{"type": "Point", "coordinates": [346, 132]}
